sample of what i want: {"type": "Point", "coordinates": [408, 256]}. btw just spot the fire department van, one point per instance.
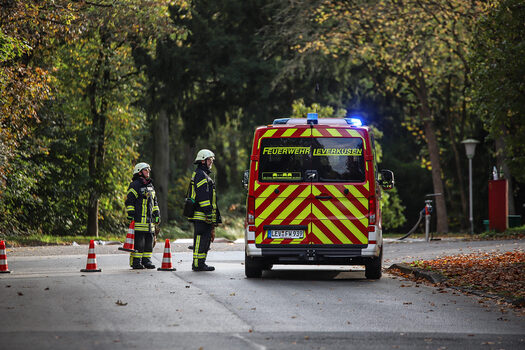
{"type": "Point", "coordinates": [313, 196]}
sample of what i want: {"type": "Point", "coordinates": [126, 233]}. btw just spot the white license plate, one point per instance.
{"type": "Point", "coordinates": [293, 234]}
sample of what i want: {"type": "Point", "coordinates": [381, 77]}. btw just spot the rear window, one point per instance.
{"type": "Point", "coordinates": [330, 159]}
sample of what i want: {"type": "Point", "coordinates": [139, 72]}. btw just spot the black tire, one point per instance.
{"type": "Point", "coordinates": [374, 266]}
{"type": "Point", "coordinates": [252, 267]}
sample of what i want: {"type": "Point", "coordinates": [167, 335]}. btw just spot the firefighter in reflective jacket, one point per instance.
{"type": "Point", "coordinates": [142, 207]}
{"type": "Point", "coordinates": [206, 216]}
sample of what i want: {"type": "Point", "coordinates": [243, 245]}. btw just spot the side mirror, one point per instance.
{"type": "Point", "coordinates": [387, 179]}
{"type": "Point", "coordinates": [246, 179]}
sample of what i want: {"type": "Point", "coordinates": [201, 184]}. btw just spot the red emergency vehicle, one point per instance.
{"type": "Point", "coordinates": [314, 196]}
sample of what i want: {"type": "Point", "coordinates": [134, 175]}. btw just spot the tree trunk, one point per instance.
{"type": "Point", "coordinates": [161, 161]}
{"type": "Point", "coordinates": [420, 89]}
{"type": "Point", "coordinates": [92, 224]}
{"type": "Point", "coordinates": [97, 139]}
{"type": "Point", "coordinates": [433, 151]}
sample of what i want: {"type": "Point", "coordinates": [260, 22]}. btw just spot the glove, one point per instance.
{"type": "Point", "coordinates": [209, 219]}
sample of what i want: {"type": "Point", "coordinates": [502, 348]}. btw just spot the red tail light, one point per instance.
{"type": "Point", "coordinates": [250, 210]}
{"type": "Point", "coordinates": [372, 211]}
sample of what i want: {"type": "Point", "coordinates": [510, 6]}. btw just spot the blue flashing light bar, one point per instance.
{"type": "Point", "coordinates": [354, 121]}
{"type": "Point", "coordinates": [311, 118]}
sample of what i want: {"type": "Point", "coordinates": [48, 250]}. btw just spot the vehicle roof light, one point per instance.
{"type": "Point", "coordinates": [354, 121]}
{"type": "Point", "coordinates": [311, 118]}
{"type": "Point", "coordinates": [281, 121]}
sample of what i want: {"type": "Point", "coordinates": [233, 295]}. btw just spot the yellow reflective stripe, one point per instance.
{"type": "Point", "coordinates": [316, 133]}
{"type": "Point", "coordinates": [155, 208]}
{"type": "Point", "coordinates": [130, 207]}
{"type": "Point", "coordinates": [267, 191]}
{"type": "Point", "coordinates": [331, 227]}
{"type": "Point", "coordinates": [144, 210]}
{"type": "Point", "coordinates": [289, 132]}
{"type": "Point", "coordinates": [353, 133]}
{"type": "Point", "coordinates": [134, 192]}
{"type": "Point", "coordinates": [136, 254]}
{"type": "Point", "coordinates": [198, 215]}
{"type": "Point", "coordinates": [256, 186]}
{"type": "Point", "coordinates": [141, 226]}
{"type": "Point", "coordinates": [204, 203]}
{"type": "Point", "coordinates": [320, 235]}
{"type": "Point", "coordinates": [268, 133]}
{"type": "Point", "coordinates": [307, 133]}
{"type": "Point", "coordinates": [202, 182]}
{"type": "Point", "coordinates": [196, 251]}
{"type": "Point", "coordinates": [147, 254]}
{"type": "Point", "coordinates": [347, 204]}
{"type": "Point", "coordinates": [295, 203]}
{"type": "Point", "coordinates": [334, 132]}
{"type": "Point", "coordinates": [276, 202]}
{"type": "Point", "coordinates": [303, 215]}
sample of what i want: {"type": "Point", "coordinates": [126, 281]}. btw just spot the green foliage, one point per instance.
{"type": "Point", "coordinates": [498, 70]}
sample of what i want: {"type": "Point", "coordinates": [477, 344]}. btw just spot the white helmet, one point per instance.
{"type": "Point", "coordinates": [139, 167]}
{"type": "Point", "coordinates": [203, 154]}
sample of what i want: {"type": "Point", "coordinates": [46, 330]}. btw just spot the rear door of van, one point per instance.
{"type": "Point", "coordinates": [340, 189]}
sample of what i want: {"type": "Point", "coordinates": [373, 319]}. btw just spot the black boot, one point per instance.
{"type": "Point", "coordinates": [136, 264]}
{"type": "Point", "coordinates": [203, 267]}
{"type": "Point", "coordinates": [147, 263]}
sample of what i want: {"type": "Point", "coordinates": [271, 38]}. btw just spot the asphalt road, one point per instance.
{"type": "Point", "coordinates": [47, 303]}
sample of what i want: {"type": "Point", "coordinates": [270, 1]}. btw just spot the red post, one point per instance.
{"type": "Point", "coordinates": [498, 205]}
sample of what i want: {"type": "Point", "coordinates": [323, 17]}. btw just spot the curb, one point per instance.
{"type": "Point", "coordinates": [431, 276]}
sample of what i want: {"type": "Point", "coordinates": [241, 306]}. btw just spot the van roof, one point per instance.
{"type": "Point", "coordinates": [321, 121]}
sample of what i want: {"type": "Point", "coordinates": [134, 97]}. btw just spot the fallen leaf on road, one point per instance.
{"type": "Point", "coordinates": [121, 303]}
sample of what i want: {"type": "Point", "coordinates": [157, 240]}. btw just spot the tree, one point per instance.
{"type": "Point", "coordinates": [29, 30]}
{"type": "Point", "coordinates": [498, 91]}
{"type": "Point", "coordinates": [417, 47]}
{"type": "Point", "coordinates": [113, 31]}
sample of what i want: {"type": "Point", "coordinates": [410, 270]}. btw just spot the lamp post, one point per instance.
{"type": "Point", "coordinates": [470, 149]}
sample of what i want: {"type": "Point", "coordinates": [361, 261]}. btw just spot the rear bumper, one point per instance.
{"type": "Point", "coordinates": [316, 254]}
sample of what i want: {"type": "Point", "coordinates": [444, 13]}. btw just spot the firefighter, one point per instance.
{"type": "Point", "coordinates": [142, 207]}
{"type": "Point", "coordinates": [206, 215]}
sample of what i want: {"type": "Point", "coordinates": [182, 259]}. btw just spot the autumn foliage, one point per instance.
{"type": "Point", "coordinates": [500, 274]}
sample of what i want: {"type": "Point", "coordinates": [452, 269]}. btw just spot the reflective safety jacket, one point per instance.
{"type": "Point", "coordinates": [204, 196]}
{"type": "Point", "coordinates": [141, 204]}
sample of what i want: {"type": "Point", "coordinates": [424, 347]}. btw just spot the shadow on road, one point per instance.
{"type": "Point", "coordinates": [314, 275]}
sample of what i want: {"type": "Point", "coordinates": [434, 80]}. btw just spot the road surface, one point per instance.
{"type": "Point", "coordinates": [47, 303]}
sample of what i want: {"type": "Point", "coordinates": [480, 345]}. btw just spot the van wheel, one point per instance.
{"type": "Point", "coordinates": [373, 267]}
{"type": "Point", "coordinates": [252, 267]}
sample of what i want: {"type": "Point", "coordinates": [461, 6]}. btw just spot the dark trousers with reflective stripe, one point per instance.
{"type": "Point", "coordinates": [143, 241]}
{"type": "Point", "coordinates": [201, 242]}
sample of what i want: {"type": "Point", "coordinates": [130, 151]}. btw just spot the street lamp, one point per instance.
{"type": "Point", "coordinates": [470, 149]}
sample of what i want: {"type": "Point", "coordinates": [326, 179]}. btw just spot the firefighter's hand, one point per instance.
{"type": "Point", "coordinates": [130, 218]}
{"type": "Point", "coordinates": [213, 234]}
{"type": "Point", "coordinates": [157, 220]}
{"type": "Point", "coordinates": [209, 219]}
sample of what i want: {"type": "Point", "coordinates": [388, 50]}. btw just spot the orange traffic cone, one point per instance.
{"type": "Point", "coordinates": [3, 259]}
{"type": "Point", "coordinates": [91, 265]}
{"type": "Point", "coordinates": [129, 245]}
{"type": "Point", "coordinates": [166, 258]}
